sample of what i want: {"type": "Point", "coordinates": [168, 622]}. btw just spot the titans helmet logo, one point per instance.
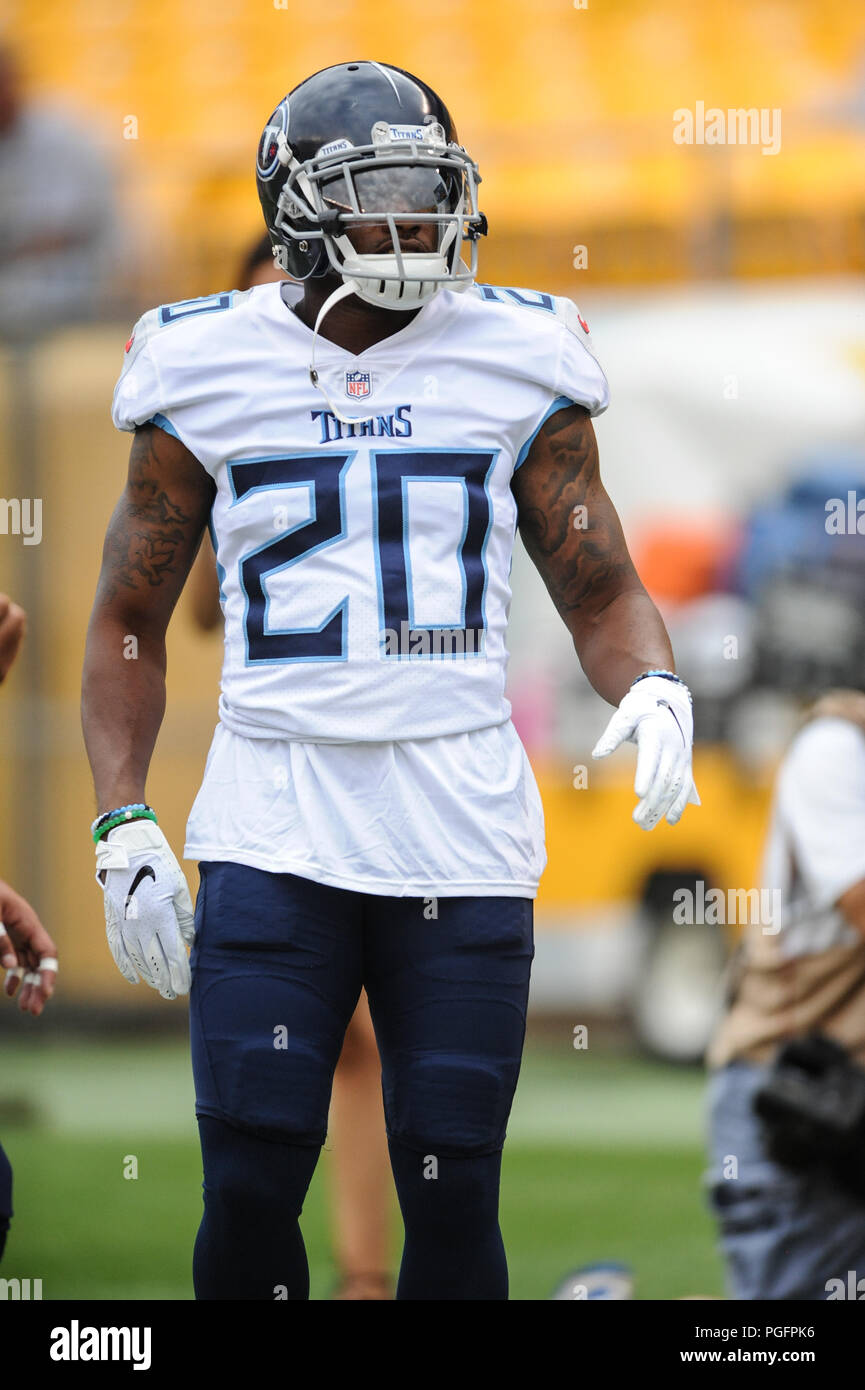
{"type": "Point", "coordinates": [268, 146]}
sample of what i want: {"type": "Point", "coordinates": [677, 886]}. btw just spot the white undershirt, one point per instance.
{"type": "Point", "coordinates": [459, 815]}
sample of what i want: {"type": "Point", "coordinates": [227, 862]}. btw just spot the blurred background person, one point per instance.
{"type": "Point", "coordinates": [29, 957]}
{"type": "Point", "coordinates": [27, 953]}
{"type": "Point", "coordinates": [791, 1214]}
{"type": "Point", "coordinates": [361, 1182]}
{"type": "Point", "coordinates": [57, 223]}
{"type": "Point", "coordinates": [13, 626]}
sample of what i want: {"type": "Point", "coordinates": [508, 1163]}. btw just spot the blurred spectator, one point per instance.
{"type": "Point", "coordinates": [27, 952]}
{"type": "Point", "coordinates": [56, 215]}
{"type": "Point", "coordinates": [793, 533]}
{"type": "Point", "coordinates": [787, 1091]}
{"type": "Point", "coordinates": [13, 625]}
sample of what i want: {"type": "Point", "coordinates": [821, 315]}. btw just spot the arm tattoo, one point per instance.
{"type": "Point", "coordinates": [150, 531]}
{"type": "Point", "coordinates": [568, 523]}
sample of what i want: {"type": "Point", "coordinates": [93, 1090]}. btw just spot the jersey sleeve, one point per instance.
{"type": "Point", "coordinates": [139, 395]}
{"type": "Point", "coordinates": [579, 376]}
{"type": "Point", "coordinates": [566, 368]}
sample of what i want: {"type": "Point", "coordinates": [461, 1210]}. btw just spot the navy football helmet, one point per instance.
{"type": "Point", "coordinates": [365, 143]}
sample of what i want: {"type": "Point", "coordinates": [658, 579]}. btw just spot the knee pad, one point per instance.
{"type": "Point", "coordinates": [263, 1079]}
{"type": "Point", "coordinates": [255, 1068]}
{"type": "Point", "coordinates": [449, 1106]}
{"type": "Point", "coordinates": [271, 996]}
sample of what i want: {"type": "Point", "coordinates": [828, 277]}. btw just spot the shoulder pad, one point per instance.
{"type": "Point", "coordinates": [167, 315]}
{"type": "Point", "coordinates": [567, 311]}
{"type": "Point", "coordinates": [557, 306]}
{"type": "Point", "coordinates": [512, 295]}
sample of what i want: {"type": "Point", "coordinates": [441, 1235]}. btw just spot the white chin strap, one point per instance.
{"type": "Point", "coordinates": [342, 292]}
{"type": "Point", "coordinates": [362, 276]}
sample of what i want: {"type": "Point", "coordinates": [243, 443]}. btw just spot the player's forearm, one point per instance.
{"type": "Point", "coordinates": [572, 532]}
{"type": "Point", "coordinates": [625, 639]}
{"type": "Point", "coordinates": [122, 705]}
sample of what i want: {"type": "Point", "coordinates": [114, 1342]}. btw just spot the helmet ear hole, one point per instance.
{"type": "Point", "coordinates": [304, 259]}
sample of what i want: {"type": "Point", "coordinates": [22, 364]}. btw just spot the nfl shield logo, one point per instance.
{"type": "Point", "coordinates": [357, 384]}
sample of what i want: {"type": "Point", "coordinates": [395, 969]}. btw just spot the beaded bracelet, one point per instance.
{"type": "Point", "coordinates": [666, 675]}
{"type": "Point", "coordinates": [119, 811]}
{"type": "Point", "coordinates": [138, 810]}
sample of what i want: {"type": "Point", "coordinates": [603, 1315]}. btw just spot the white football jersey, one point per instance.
{"type": "Point", "coordinates": [364, 568]}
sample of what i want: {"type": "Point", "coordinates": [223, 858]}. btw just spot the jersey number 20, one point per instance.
{"type": "Point", "coordinates": [324, 476]}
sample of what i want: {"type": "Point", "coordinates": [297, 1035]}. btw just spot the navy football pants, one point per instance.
{"type": "Point", "coordinates": [277, 968]}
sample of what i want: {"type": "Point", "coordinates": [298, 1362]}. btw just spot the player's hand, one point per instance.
{"type": "Point", "coordinates": [13, 624]}
{"type": "Point", "coordinates": [27, 953]}
{"type": "Point", "coordinates": [148, 910]}
{"type": "Point", "coordinates": [656, 714]}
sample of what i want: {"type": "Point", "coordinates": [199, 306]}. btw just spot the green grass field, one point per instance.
{"type": "Point", "coordinates": [604, 1161]}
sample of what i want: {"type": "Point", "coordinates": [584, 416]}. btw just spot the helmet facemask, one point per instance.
{"type": "Point", "coordinates": [408, 174]}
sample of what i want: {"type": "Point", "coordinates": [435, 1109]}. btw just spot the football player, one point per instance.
{"type": "Point", "coordinates": [368, 816]}
{"type": "Point", "coordinates": [362, 1193]}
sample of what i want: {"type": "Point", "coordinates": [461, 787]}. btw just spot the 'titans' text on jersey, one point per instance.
{"type": "Point", "coordinates": [364, 568]}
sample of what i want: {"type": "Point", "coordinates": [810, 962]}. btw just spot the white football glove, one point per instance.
{"type": "Point", "coordinates": [656, 714]}
{"type": "Point", "coordinates": [148, 910]}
